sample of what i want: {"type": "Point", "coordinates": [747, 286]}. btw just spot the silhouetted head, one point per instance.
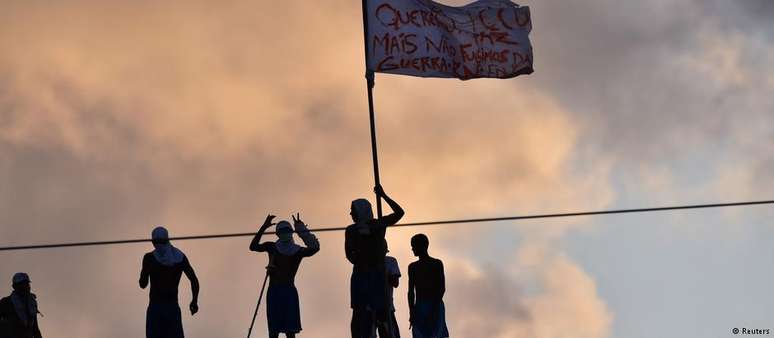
{"type": "Point", "coordinates": [21, 283]}
{"type": "Point", "coordinates": [386, 248]}
{"type": "Point", "coordinates": [361, 211]}
{"type": "Point", "coordinates": [284, 231]}
{"type": "Point", "coordinates": [419, 245]}
{"type": "Point", "coordinates": [159, 237]}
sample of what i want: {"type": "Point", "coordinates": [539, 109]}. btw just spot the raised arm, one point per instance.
{"type": "Point", "coordinates": [397, 211]}
{"type": "Point", "coordinates": [310, 240]}
{"type": "Point", "coordinates": [189, 272]}
{"type": "Point", "coordinates": [256, 245]}
{"type": "Point", "coordinates": [144, 273]}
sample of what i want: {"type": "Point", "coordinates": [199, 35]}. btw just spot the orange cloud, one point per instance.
{"type": "Point", "coordinates": [119, 117]}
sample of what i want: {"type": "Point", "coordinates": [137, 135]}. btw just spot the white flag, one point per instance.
{"type": "Point", "coordinates": [484, 39]}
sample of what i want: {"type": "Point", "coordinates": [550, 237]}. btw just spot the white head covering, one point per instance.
{"type": "Point", "coordinates": [364, 213]}
{"type": "Point", "coordinates": [287, 246]}
{"type": "Point", "coordinates": [165, 253]}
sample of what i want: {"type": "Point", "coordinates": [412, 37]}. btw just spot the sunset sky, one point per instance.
{"type": "Point", "coordinates": [204, 116]}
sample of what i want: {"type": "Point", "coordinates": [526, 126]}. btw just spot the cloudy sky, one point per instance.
{"type": "Point", "coordinates": [204, 117]}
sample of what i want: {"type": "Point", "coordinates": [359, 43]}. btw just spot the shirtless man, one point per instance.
{"type": "Point", "coordinates": [163, 268]}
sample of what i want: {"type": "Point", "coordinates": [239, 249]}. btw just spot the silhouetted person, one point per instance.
{"type": "Point", "coordinates": [427, 285]}
{"type": "Point", "coordinates": [390, 328]}
{"type": "Point", "coordinates": [283, 312]}
{"type": "Point", "coordinates": [163, 267]}
{"type": "Point", "coordinates": [365, 248]}
{"type": "Point", "coordinates": [19, 311]}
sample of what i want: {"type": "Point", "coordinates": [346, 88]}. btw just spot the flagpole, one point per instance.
{"type": "Point", "coordinates": [370, 82]}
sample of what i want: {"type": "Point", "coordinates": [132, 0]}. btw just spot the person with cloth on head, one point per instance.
{"type": "Point", "coordinates": [19, 311]}
{"type": "Point", "coordinates": [365, 248]}
{"type": "Point", "coordinates": [283, 311]}
{"type": "Point", "coordinates": [392, 271]}
{"type": "Point", "coordinates": [426, 286]}
{"type": "Point", "coordinates": [163, 267]}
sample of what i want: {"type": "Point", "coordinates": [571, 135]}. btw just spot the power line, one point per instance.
{"type": "Point", "coordinates": [457, 221]}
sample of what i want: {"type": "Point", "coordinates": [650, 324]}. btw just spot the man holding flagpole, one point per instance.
{"type": "Point", "coordinates": [365, 248]}
{"type": "Point", "coordinates": [484, 39]}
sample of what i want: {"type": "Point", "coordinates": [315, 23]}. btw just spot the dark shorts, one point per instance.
{"type": "Point", "coordinates": [368, 289]}
{"type": "Point", "coordinates": [365, 325]}
{"type": "Point", "coordinates": [164, 321]}
{"type": "Point", "coordinates": [429, 320]}
{"type": "Point", "coordinates": [283, 312]}
{"type": "Point", "coordinates": [362, 324]}
{"type": "Point", "coordinates": [393, 325]}
{"type": "Point", "coordinates": [390, 328]}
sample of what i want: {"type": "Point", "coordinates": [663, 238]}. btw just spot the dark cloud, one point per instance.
{"type": "Point", "coordinates": [750, 16]}
{"type": "Point", "coordinates": [654, 81]}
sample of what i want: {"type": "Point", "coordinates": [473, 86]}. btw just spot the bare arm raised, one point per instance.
{"type": "Point", "coordinates": [310, 240]}
{"type": "Point", "coordinates": [256, 245]}
{"type": "Point", "coordinates": [397, 211]}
